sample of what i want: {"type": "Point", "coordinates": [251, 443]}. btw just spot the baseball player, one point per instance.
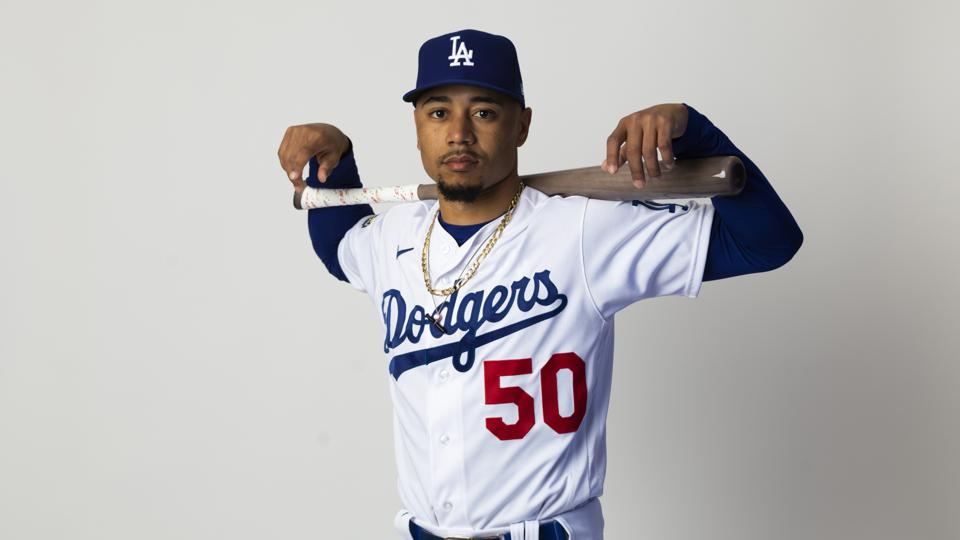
{"type": "Point", "coordinates": [498, 301]}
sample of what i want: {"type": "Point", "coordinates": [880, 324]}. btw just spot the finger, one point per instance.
{"type": "Point", "coordinates": [619, 163]}
{"type": "Point", "coordinates": [282, 151]}
{"type": "Point", "coordinates": [665, 143]}
{"type": "Point", "coordinates": [296, 163]}
{"type": "Point", "coordinates": [293, 160]}
{"type": "Point", "coordinates": [613, 148]}
{"type": "Point", "coordinates": [650, 153]}
{"type": "Point", "coordinates": [325, 164]}
{"type": "Point", "coordinates": [633, 153]}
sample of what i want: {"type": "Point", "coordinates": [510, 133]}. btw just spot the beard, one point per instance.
{"type": "Point", "coordinates": [466, 194]}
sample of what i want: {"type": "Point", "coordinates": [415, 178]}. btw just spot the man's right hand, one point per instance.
{"type": "Point", "coordinates": [300, 143]}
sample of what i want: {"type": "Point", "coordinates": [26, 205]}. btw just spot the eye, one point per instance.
{"type": "Point", "coordinates": [485, 114]}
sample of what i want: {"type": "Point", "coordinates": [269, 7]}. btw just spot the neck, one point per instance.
{"type": "Point", "coordinates": [491, 203]}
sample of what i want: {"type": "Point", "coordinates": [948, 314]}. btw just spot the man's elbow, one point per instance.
{"type": "Point", "coordinates": [326, 251]}
{"type": "Point", "coordinates": [784, 254]}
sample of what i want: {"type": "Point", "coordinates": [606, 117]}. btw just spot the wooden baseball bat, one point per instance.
{"type": "Point", "coordinates": [689, 178]}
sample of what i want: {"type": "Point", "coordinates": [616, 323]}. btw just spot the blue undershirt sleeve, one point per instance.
{"type": "Point", "coordinates": [328, 225]}
{"type": "Point", "coordinates": [752, 231]}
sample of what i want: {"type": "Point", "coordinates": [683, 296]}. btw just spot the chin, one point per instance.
{"type": "Point", "coordinates": [463, 179]}
{"type": "Point", "coordinates": [460, 189]}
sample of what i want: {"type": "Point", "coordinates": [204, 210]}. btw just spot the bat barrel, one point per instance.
{"type": "Point", "coordinates": [690, 178]}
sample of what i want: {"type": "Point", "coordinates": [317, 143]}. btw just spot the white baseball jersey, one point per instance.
{"type": "Point", "coordinates": [502, 419]}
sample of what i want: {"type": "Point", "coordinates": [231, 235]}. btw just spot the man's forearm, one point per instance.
{"type": "Point", "coordinates": [752, 231]}
{"type": "Point", "coordinates": [328, 225]}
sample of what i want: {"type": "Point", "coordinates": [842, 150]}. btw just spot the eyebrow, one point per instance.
{"type": "Point", "coordinates": [474, 99]}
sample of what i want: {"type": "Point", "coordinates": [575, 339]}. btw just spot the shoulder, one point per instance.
{"type": "Point", "coordinates": [539, 204]}
{"type": "Point", "coordinates": [670, 207]}
{"type": "Point", "coordinates": [544, 202]}
{"type": "Point", "coordinates": [399, 220]}
{"type": "Point", "coordinates": [408, 216]}
{"type": "Point", "coordinates": [546, 216]}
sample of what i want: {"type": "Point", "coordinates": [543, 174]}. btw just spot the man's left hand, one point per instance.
{"type": "Point", "coordinates": [637, 137]}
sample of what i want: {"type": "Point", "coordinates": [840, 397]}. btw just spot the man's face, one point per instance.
{"type": "Point", "coordinates": [468, 137]}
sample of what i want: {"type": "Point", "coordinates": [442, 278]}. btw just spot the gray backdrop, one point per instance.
{"type": "Point", "coordinates": [177, 363]}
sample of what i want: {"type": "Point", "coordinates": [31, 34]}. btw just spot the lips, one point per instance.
{"type": "Point", "coordinates": [460, 163]}
{"type": "Point", "coordinates": [460, 159]}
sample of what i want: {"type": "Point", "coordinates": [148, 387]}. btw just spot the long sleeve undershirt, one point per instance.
{"type": "Point", "coordinates": [328, 225]}
{"type": "Point", "coordinates": [752, 231]}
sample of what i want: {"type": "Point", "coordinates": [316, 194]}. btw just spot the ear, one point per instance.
{"type": "Point", "coordinates": [416, 125]}
{"type": "Point", "coordinates": [525, 117]}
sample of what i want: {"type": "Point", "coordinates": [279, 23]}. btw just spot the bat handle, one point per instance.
{"type": "Point", "coordinates": [306, 197]}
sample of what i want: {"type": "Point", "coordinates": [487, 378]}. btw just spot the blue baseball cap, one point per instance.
{"type": "Point", "coordinates": [469, 57]}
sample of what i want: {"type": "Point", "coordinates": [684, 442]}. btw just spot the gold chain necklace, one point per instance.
{"type": "Point", "coordinates": [424, 262]}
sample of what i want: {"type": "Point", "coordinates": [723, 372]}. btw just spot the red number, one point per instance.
{"type": "Point", "coordinates": [493, 370]}
{"type": "Point", "coordinates": [496, 394]}
{"type": "Point", "coordinates": [551, 401]}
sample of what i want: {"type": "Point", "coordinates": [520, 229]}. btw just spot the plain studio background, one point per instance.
{"type": "Point", "coordinates": [178, 364]}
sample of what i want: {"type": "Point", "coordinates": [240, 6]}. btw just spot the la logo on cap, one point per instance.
{"type": "Point", "coordinates": [460, 54]}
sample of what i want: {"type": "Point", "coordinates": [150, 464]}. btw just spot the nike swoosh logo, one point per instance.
{"type": "Point", "coordinates": [721, 174]}
{"type": "Point", "coordinates": [402, 251]}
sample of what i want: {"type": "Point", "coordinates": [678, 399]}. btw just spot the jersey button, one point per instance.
{"type": "Point", "coordinates": [445, 250]}
{"type": "Point", "coordinates": [448, 506]}
{"type": "Point", "coordinates": [444, 374]}
{"type": "Point", "coordinates": [444, 439]}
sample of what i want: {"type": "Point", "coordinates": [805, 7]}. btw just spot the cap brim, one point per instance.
{"type": "Point", "coordinates": [412, 95]}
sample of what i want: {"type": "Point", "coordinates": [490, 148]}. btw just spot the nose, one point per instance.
{"type": "Point", "coordinates": [460, 130]}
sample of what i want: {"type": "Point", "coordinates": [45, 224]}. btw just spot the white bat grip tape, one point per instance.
{"type": "Point", "coordinates": [321, 198]}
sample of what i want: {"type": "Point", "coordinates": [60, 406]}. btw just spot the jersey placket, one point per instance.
{"type": "Point", "coordinates": [445, 397]}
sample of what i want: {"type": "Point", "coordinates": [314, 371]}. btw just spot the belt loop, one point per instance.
{"type": "Point", "coordinates": [525, 530]}
{"type": "Point", "coordinates": [532, 531]}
